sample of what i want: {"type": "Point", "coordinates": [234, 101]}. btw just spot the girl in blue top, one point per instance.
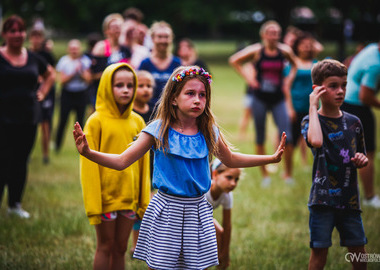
{"type": "Point", "coordinates": [177, 230]}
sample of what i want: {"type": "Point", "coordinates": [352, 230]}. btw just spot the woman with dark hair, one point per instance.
{"type": "Point", "coordinates": [305, 47]}
{"type": "Point", "coordinates": [19, 107]}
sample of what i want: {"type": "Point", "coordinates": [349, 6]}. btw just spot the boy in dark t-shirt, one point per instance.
{"type": "Point", "coordinates": [337, 142]}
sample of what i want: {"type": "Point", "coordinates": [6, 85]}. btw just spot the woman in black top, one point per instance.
{"type": "Point", "coordinates": [19, 97]}
{"type": "Point", "coordinates": [270, 90]}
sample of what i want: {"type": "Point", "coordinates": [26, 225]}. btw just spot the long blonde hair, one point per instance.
{"type": "Point", "coordinates": [166, 112]}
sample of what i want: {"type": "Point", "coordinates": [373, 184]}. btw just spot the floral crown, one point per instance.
{"type": "Point", "coordinates": [191, 72]}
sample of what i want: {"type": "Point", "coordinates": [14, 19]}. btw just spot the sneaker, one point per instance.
{"type": "Point", "coordinates": [266, 182]}
{"type": "Point", "coordinates": [289, 181]}
{"type": "Point", "coordinates": [272, 168]}
{"type": "Point", "coordinates": [373, 202]}
{"type": "Point", "coordinates": [45, 160]}
{"type": "Point", "coordinates": [18, 211]}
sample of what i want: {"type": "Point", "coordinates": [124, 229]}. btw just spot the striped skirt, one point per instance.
{"type": "Point", "coordinates": [177, 233]}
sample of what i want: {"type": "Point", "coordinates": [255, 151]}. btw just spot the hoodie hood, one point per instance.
{"type": "Point", "coordinates": [105, 101]}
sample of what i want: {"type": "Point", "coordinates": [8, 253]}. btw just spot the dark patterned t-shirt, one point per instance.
{"type": "Point", "coordinates": [334, 175]}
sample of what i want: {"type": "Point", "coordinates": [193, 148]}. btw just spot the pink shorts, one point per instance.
{"type": "Point", "coordinates": [113, 215]}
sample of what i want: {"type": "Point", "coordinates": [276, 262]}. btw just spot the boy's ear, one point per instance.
{"type": "Point", "coordinates": [214, 174]}
{"type": "Point", "coordinates": [314, 85]}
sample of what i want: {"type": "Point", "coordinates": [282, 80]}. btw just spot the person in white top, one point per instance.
{"type": "Point", "coordinates": [224, 181]}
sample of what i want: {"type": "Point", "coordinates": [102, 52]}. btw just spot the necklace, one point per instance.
{"type": "Point", "coordinates": [180, 127]}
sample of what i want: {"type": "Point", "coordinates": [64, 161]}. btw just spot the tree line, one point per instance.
{"type": "Point", "coordinates": [206, 19]}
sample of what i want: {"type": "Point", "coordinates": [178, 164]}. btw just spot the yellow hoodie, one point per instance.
{"type": "Point", "coordinates": [107, 190]}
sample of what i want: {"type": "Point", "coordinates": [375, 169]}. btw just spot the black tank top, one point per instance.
{"type": "Point", "coordinates": [270, 76]}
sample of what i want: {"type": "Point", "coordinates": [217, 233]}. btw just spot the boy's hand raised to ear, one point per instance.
{"type": "Point", "coordinates": [314, 97]}
{"type": "Point", "coordinates": [80, 140]}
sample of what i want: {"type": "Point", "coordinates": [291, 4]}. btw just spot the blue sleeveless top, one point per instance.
{"type": "Point", "coordinates": [301, 88]}
{"type": "Point", "coordinates": [184, 169]}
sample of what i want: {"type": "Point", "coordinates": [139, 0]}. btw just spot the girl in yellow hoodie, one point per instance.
{"type": "Point", "coordinates": [114, 199]}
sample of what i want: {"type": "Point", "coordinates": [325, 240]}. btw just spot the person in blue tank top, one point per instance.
{"type": "Point", "coordinates": [363, 84]}
{"type": "Point", "coordinates": [162, 62]}
{"type": "Point", "coordinates": [300, 88]}
{"type": "Point", "coordinates": [177, 230]}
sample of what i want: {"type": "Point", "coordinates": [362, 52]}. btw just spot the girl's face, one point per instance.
{"type": "Point", "coordinates": [184, 50]}
{"type": "Point", "coordinates": [272, 34]}
{"type": "Point", "coordinates": [144, 91]}
{"type": "Point", "coordinates": [227, 180]}
{"type": "Point", "coordinates": [305, 48]}
{"type": "Point", "coordinates": [122, 87]}
{"type": "Point", "coordinates": [15, 36]}
{"type": "Point", "coordinates": [162, 38]}
{"type": "Point", "coordinates": [191, 101]}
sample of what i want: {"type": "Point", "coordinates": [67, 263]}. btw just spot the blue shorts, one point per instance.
{"type": "Point", "coordinates": [322, 221]}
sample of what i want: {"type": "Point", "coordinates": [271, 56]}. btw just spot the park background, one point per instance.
{"type": "Point", "coordinates": [270, 226]}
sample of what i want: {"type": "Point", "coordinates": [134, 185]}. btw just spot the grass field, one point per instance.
{"type": "Point", "coordinates": [270, 226]}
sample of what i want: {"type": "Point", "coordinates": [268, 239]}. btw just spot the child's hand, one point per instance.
{"type": "Point", "coordinates": [80, 139]}
{"type": "Point", "coordinates": [360, 160]}
{"type": "Point", "coordinates": [314, 97]}
{"type": "Point", "coordinates": [280, 150]}
{"type": "Point", "coordinates": [254, 84]}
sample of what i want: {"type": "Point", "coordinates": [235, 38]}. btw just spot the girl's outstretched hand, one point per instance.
{"type": "Point", "coordinates": [280, 150]}
{"type": "Point", "coordinates": [80, 139]}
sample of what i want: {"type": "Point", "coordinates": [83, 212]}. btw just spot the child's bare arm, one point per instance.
{"type": "Point", "coordinates": [113, 161]}
{"type": "Point", "coordinates": [239, 160]}
{"type": "Point", "coordinates": [360, 160]}
{"type": "Point", "coordinates": [314, 133]}
{"type": "Point", "coordinates": [224, 256]}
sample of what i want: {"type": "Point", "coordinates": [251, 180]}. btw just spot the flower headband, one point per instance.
{"type": "Point", "coordinates": [191, 72]}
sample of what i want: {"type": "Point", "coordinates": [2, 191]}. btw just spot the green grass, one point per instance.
{"type": "Point", "coordinates": [270, 226]}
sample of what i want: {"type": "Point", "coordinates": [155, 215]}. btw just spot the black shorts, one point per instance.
{"type": "Point", "coordinates": [367, 118]}
{"type": "Point", "coordinates": [47, 106]}
{"type": "Point", "coordinates": [296, 128]}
